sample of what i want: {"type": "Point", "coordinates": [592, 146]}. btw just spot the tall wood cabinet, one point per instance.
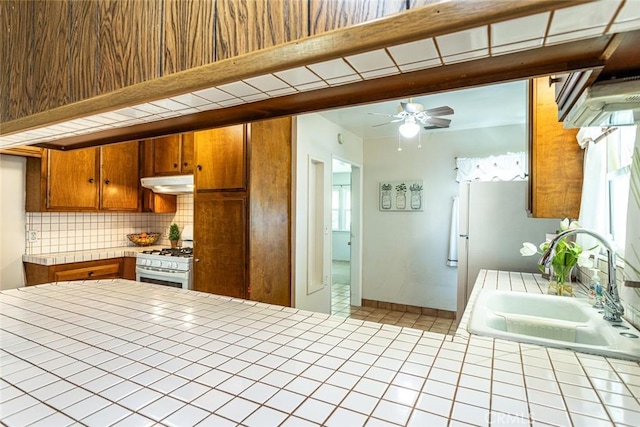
{"type": "Point", "coordinates": [242, 211]}
{"type": "Point", "coordinates": [555, 159]}
{"type": "Point", "coordinates": [220, 211]}
{"type": "Point", "coordinates": [90, 179]}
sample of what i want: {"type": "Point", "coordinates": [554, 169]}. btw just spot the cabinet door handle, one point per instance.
{"type": "Point", "coordinates": [90, 180]}
{"type": "Point", "coordinates": [175, 165]}
{"type": "Point", "coordinates": [199, 167]}
{"type": "Point", "coordinates": [106, 181]}
{"type": "Point", "coordinates": [553, 80]}
{"type": "Point", "coordinates": [196, 260]}
{"type": "Point", "coordinates": [186, 164]}
{"type": "Point", "coordinates": [90, 273]}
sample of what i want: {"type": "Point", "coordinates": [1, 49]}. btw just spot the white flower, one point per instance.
{"type": "Point", "coordinates": [566, 224]}
{"type": "Point", "coordinates": [528, 249]}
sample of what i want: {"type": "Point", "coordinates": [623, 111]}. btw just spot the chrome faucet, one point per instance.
{"type": "Point", "coordinates": [613, 310]}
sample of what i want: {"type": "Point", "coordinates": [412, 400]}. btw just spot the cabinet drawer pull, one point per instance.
{"type": "Point", "coordinates": [90, 273]}
{"type": "Point", "coordinates": [91, 180]}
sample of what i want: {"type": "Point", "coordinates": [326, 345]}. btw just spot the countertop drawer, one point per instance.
{"type": "Point", "coordinates": [109, 271]}
{"type": "Point", "coordinates": [37, 274]}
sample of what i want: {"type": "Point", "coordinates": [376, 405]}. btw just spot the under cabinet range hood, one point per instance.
{"type": "Point", "coordinates": [176, 184]}
{"type": "Point", "coordinates": [607, 103]}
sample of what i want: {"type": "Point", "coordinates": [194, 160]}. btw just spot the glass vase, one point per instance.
{"type": "Point", "coordinates": [560, 281]}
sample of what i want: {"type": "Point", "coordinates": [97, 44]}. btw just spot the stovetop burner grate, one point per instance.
{"type": "Point", "coordinates": [181, 252]}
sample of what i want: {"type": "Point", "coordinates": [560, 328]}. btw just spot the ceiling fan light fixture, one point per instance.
{"type": "Point", "coordinates": [409, 129]}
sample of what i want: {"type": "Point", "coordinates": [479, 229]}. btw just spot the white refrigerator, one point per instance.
{"type": "Point", "coordinates": [493, 224]}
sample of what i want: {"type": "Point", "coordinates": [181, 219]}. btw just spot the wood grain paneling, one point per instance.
{"type": "Point", "coordinates": [15, 65]}
{"type": "Point", "coordinates": [246, 25]}
{"type": "Point", "coordinates": [556, 164]}
{"type": "Point", "coordinates": [129, 43]}
{"type": "Point", "coordinates": [270, 211]}
{"type": "Point", "coordinates": [220, 243]}
{"type": "Point", "coordinates": [120, 177]}
{"type": "Point", "coordinates": [50, 71]}
{"type": "Point", "coordinates": [188, 38]}
{"type": "Point", "coordinates": [83, 46]}
{"type": "Point", "coordinates": [327, 15]}
{"type": "Point", "coordinates": [221, 159]}
{"type": "Point", "coordinates": [72, 181]}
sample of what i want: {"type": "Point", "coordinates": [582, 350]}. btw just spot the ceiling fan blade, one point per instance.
{"type": "Point", "coordinates": [386, 115]}
{"type": "Point", "coordinates": [439, 111]}
{"type": "Point", "coordinates": [411, 107]}
{"type": "Point", "coordinates": [392, 121]}
{"type": "Point", "coordinates": [436, 122]}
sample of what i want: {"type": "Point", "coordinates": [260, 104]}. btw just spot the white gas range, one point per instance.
{"type": "Point", "coordinates": [168, 267]}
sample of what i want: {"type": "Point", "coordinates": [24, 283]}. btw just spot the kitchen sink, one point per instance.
{"type": "Point", "coordinates": [552, 321]}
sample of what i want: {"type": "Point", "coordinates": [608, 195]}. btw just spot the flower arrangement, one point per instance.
{"type": "Point", "coordinates": [401, 188]}
{"type": "Point", "coordinates": [567, 255]}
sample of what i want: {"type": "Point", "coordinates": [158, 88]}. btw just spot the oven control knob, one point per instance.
{"type": "Point", "coordinates": [174, 265]}
{"type": "Point", "coordinates": [156, 263]}
{"type": "Point", "coordinates": [166, 264]}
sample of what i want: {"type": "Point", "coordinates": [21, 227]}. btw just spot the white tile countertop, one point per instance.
{"type": "Point", "coordinates": [89, 255]}
{"type": "Point", "coordinates": [117, 352]}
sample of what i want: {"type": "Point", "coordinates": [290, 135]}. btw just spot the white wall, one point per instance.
{"type": "Point", "coordinates": [405, 253]}
{"type": "Point", "coordinates": [316, 137]}
{"type": "Point", "coordinates": [12, 220]}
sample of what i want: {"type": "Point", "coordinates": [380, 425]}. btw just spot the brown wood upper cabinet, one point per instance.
{"type": "Point", "coordinates": [555, 159]}
{"type": "Point", "coordinates": [221, 158]}
{"type": "Point", "coordinates": [173, 155]}
{"type": "Point", "coordinates": [89, 179]}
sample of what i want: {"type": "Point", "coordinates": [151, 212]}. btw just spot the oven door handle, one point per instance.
{"type": "Point", "coordinates": [160, 273]}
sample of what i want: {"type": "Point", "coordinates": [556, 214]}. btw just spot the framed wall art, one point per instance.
{"type": "Point", "coordinates": [401, 196]}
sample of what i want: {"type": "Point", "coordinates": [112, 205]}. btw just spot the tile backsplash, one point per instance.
{"type": "Point", "coordinates": [71, 231]}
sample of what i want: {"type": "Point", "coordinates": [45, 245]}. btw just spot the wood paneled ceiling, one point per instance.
{"type": "Point", "coordinates": [465, 44]}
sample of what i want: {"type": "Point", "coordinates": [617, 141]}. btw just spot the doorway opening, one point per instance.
{"type": "Point", "coordinates": [345, 290]}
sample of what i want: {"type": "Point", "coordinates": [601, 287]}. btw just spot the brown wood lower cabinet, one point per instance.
{"type": "Point", "coordinates": [220, 248]}
{"type": "Point", "coordinates": [37, 274]}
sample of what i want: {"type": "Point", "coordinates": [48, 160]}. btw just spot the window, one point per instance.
{"type": "Point", "coordinates": [619, 153]}
{"type": "Point", "coordinates": [341, 208]}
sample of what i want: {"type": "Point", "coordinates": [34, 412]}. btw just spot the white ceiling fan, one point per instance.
{"type": "Point", "coordinates": [413, 115]}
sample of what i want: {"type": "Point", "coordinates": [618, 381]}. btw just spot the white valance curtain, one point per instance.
{"type": "Point", "coordinates": [593, 215]}
{"type": "Point", "coordinates": [504, 167]}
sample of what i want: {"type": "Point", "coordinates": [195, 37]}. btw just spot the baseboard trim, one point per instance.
{"type": "Point", "coordinates": [425, 311]}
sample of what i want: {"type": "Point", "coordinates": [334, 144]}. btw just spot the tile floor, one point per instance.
{"type": "Point", "coordinates": [340, 307]}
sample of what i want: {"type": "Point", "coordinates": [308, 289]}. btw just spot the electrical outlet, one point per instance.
{"type": "Point", "coordinates": [32, 236]}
